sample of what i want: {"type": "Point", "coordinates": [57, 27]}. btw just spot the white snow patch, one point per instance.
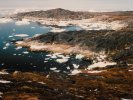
{"type": "Point", "coordinates": [36, 35]}
{"type": "Point", "coordinates": [74, 72]}
{"type": "Point", "coordinates": [126, 99]}
{"type": "Point", "coordinates": [3, 73]}
{"type": "Point", "coordinates": [5, 20]}
{"type": "Point", "coordinates": [19, 42]}
{"type": "Point", "coordinates": [57, 30]}
{"type": "Point", "coordinates": [41, 83]}
{"type": "Point", "coordinates": [101, 64]}
{"type": "Point", "coordinates": [1, 94]}
{"type": "Point", "coordinates": [23, 22]}
{"type": "Point", "coordinates": [94, 71]}
{"type": "Point", "coordinates": [4, 81]}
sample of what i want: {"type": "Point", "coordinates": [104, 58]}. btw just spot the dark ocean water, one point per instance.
{"type": "Point", "coordinates": [20, 59]}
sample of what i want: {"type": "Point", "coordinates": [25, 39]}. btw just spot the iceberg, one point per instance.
{"type": "Point", "coordinates": [21, 35]}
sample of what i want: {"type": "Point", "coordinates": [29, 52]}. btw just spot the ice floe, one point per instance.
{"type": "Point", "coordinates": [25, 52]}
{"type": "Point", "coordinates": [75, 66]}
{"type": "Point", "coordinates": [5, 81]}
{"type": "Point", "coordinates": [21, 35]}
{"type": "Point", "coordinates": [18, 48]}
{"type": "Point", "coordinates": [54, 68]}
{"type": "Point", "coordinates": [5, 20]}
{"type": "Point", "coordinates": [6, 46]}
{"type": "Point", "coordinates": [63, 60]}
{"type": "Point", "coordinates": [10, 36]}
{"type": "Point", "coordinates": [33, 27]}
{"type": "Point", "coordinates": [79, 56]}
{"type": "Point", "coordinates": [23, 22]}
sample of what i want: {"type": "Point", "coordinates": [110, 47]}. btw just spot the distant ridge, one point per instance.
{"type": "Point", "coordinates": [57, 13]}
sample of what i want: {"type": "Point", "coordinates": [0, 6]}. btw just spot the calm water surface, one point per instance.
{"type": "Point", "coordinates": [13, 58]}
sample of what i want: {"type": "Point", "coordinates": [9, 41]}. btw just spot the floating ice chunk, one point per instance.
{"type": "Point", "coordinates": [54, 57]}
{"type": "Point", "coordinates": [19, 54]}
{"type": "Point", "coordinates": [10, 36]}
{"type": "Point", "coordinates": [23, 22]}
{"type": "Point", "coordinates": [14, 54]}
{"type": "Point", "coordinates": [14, 30]}
{"type": "Point", "coordinates": [101, 64]}
{"type": "Point", "coordinates": [49, 55]}
{"type": "Point", "coordinates": [75, 66]}
{"type": "Point", "coordinates": [33, 27]}
{"type": "Point", "coordinates": [4, 81]}
{"type": "Point", "coordinates": [25, 52]}
{"type": "Point", "coordinates": [57, 71]}
{"type": "Point", "coordinates": [68, 67]}
{"type": "Point", "coordinates": [18, 48]}
{"type": "Point", "coordinates": [53, 68]}
{"type": "Point", "coordinates": [7, 44]}
{"type": "Point", "coordinates": [79, 56]}
{"type": "Point", "coordinates": [4, 48]}
{"type": "Point", "coordinates": [74, 72]}
{"type": "Point", "coordinates": [3, 64]}
{"type": "Point", "coordinates": [63, 60]}
{"type": "Point", "coordinates": [5, 20]}
{"type": "Point", "coordinates": [21, 35]}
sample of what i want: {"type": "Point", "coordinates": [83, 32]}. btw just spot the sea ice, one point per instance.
{"type": "Point", "coordinates": [53, 68]}
{"type": "Point", "coordinates": [79, 56]}
{"type": "Point", "coordinates": [75, 66]}
{"type": "Point", "coordinates": [21, 35]}
{"type": "Point", "coordinates": [63, 60]}
{"type": "Point", "coordinates": [18, 48]}
{"type": "Point", "coordinates": [25, 52]}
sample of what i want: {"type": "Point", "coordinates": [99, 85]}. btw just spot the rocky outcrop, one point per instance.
{"type": "Point", "coordinates": [116, 44]}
